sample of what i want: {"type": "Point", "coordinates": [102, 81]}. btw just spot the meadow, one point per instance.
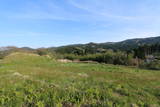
{"type": "Point", "coordinates": [30, 80]}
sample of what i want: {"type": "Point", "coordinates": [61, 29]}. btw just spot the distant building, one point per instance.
{"type": "Point", "coordinates": [151, 58]}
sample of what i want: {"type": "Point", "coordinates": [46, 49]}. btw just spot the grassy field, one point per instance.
{"type": "Point", "coordinates": [28, 80]}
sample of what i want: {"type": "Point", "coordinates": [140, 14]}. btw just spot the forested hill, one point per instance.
{"type": "Point", "coordinates": [94, 47]}
{"type": "Point", "coordinates": [100, 47]}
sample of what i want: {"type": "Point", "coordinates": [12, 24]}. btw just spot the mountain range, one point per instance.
{"type": "Point", "coordinates": [122, 45]}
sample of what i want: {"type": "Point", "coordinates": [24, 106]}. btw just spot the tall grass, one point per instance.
{"type": "Point", "coordinates": [28, 80]}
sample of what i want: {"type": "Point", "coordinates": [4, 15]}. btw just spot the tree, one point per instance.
{"type": "Point", "coordinates": [42, 51]}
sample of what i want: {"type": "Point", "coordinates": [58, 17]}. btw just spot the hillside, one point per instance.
{"type": "Point", "coordinates": [96, 47]}
{"type": "Point", "coordinates": [93, 47]}
{"type": "Point", "coordinates": [30, 80]}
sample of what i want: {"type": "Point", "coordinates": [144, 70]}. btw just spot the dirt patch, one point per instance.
{"type": "Point", "coordinates": [64, 60]}
{"type": "Point", "coordinates": [76, 61]}
{"type": "Point", "coordinates": [20, 75]}
{"type": "Point", "coordinates": [83, 75]}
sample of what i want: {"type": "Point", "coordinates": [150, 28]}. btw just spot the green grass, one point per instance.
{"type": "Point", "coordinates": [28, 80]}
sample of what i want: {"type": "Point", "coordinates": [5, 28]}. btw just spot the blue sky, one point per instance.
{"type": "Point", "coordinates": [45, 23]}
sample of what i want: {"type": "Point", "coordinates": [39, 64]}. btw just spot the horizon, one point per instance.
{"type": "Point", "coordinates": [75, 44]}
{"type": "Point", "coordinates": [52, 23]}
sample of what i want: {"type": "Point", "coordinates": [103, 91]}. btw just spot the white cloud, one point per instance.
{"type": "Point", "coordinates": [98, 14]}
{"type": "Point", "coordinates": [103, 13]}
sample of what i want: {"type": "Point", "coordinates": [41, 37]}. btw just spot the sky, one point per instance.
{"type": "Point", "coordinates": [47, 23]}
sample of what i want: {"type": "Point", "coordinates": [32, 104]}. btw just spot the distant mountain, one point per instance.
{"type": "Point", "coordinates": [91, 47]}
{"type": "Point", "coordinates": [13, 48]}
{"type": "Point", "coordinates": [7, 48]}
{"type": "Point", "coordinates": [4, 48]}
{"type": "Point", "coordinates": [133, 43]}
{"type": "Point", "coordinates": [94, 47]}
{"type": "Point", "coordinates": [27, 48]}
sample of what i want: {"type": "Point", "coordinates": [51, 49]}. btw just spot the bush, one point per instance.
{"type": "Point", "coordinates": [42, 52]}
{"type": "Point", "coordinates": [154, 65]}
{"type": "Point", "coordinates": [110, 57]}
{"type": "Point", "coordinates": [3, 54]}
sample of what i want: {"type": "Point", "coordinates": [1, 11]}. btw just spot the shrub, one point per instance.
{"type": "Point", "coordinates": [155, 65]}
{"type": "Point", "coordinates": [110, 57]}
{"type": "Point", "coordinates": [3, 54]}
{"type": "Point", "coordinates": [42, 52]}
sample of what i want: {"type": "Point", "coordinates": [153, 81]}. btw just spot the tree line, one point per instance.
{"type": "Point", "coordinates": [146, 56]}
{"type": "Point", "coordinates": [132, 57]}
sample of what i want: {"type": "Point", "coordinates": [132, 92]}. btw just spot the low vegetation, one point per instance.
{"type": "Point", "coordinates": [31, 80]}
{"type": "Point", "coordinates": [58, 77]}
{"type": "Point", "coordinates": [144, 56]}
{"type": "Point", "coordinates": [109, 57]}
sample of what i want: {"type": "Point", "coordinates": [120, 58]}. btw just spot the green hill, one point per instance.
{"type": "Point", "coordinates": [100, 47]}
{"type": "Point", "coordinates": [92, 47]}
